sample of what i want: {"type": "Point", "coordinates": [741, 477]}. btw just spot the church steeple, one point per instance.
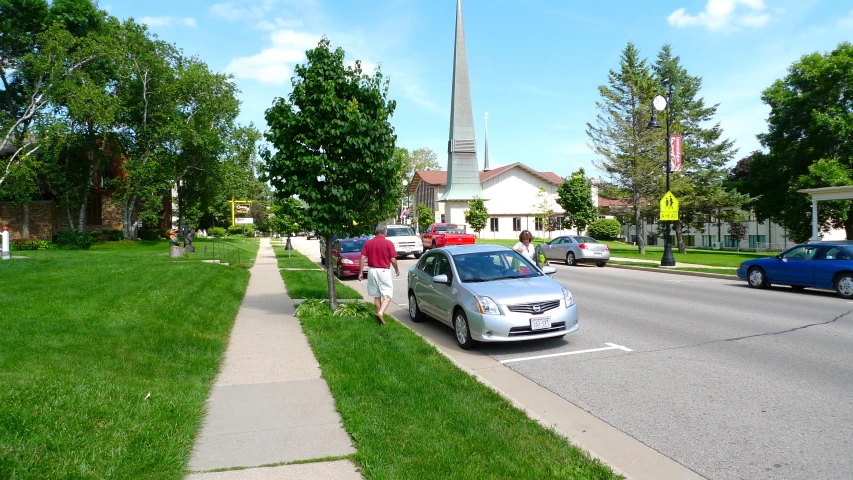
{"type": "Point", "coordinates": [486, 150]}
{"type": "Point", "coordinates": [463, 177]}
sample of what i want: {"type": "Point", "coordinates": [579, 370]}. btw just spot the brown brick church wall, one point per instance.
{"type": "Point", "coordinates": [46, 219]}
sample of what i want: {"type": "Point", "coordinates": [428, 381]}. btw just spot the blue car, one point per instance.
{"type": "Point", "coordinates": [827, 265]}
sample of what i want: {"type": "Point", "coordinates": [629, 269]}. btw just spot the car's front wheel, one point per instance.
{"type": "Point", "coordinates": [463, 332]}
{"type": "Point", "coordinates": [570, 259]}
{"type": "Point", "coordinates": [418, 255]}
{"type": "Point", "coordinates": [601, 264]}
{"type": "Point", "coordinates": [844, 285]}
{"type": "Point", "coordinates": [415, 312]}
{"type": "Point", "coordinates": [756, 277]}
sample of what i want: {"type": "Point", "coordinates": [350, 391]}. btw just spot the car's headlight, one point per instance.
{"type": "Point", "coordinates": [347, 261]}
{"type": "Point", "coordinates": [487, 305]}
{"type": "Point", "coordinates": [567, 296]}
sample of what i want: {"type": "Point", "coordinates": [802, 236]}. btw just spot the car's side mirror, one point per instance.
{"type": "Point", "coordinates": [549, 270]}
{"type": "Point", "coordinates": [779, 257]}
{"type": "Point", "coordinates": [441, 279]}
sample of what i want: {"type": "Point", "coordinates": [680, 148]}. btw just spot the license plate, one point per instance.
{"type": "Point", "coordinates": [598, 253]}
{"type": "Point", "coordinates": [540, 323]}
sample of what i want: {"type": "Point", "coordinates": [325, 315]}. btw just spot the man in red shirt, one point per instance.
{"type": "Point", "coordinates": [380, 254]}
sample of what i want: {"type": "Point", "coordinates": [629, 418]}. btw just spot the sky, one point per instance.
{"type": "Point", "coordinates": [535, 65]}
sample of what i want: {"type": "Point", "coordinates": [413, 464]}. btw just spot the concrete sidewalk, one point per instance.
{"type": "Point", "coordinates": [269, 404]}
{"type": "Point", "coordinates": [678, 264]}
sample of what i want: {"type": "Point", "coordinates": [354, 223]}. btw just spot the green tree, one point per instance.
{"type": "Point", "coordinates": [810, 122]}
{"type": "Point", "coordinates": [426, 217]}
{"type": "Point", "coordinates": [334, 146]}
{"type": "Point", "coordinates": [477, 215]}
{"type": "Point", "coordinates": [544, 207]}
{"type": "Point", "coordinates": [737, 227]}
{"type": "Point", "coordinates": [574, 195]}
{"type": "Point", "coordinates": [629, 153]}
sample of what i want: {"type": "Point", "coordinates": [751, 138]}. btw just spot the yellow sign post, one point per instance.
{"type": "Point", "coordinates": [235, 204]}
{"type": "Point", "coordinates": [669, 208]}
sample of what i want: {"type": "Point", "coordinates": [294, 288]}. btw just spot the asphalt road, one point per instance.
{"type": "Point", "coordinates": [734, 383]}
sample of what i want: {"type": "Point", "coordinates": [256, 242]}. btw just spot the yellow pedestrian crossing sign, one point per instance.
{"type": "Point", "coordinates": [668, 207]}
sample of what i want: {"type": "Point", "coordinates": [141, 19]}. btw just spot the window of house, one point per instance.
{"type": "Point", "coordinates": [538, 224]}
{"type": "Point", "coordinates": [708, 240]}
{"type": "Point", "coordinates": [729, 241]}
{"type": "Point", "coordinates": [516, 224]}
{"type": "Point", "coordinates": [442, 219]}
{"type": "Point", "coordinates": [755, 240]}
{"type": "Point", "coordinates": [690, 240]}
{"type": "Point", "coordinates": [493, 224]}
{"type": "Point", "coordinates": [651, 240]}
{"type": "Point", "coordinates": [93, 210]}
{"type": "Point", "coordinates": [560, 221]}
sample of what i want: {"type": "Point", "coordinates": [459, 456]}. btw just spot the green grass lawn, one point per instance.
{"type": "Point", "coordinates": [412, 414]}
{"type": "Point", "coordinates": [293, 259]}
{"type": "Point", "coordinates": [86, 337]}
{"type": "Point", "coordinates": [235, 251]}
{"type": "Point", "coordinates": [310, 284]}
{"type": "Point", "coordinates": [713, 258]}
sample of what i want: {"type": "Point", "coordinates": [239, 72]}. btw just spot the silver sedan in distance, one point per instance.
{"type": "Point", "coordinates": [489, 293]}
{"type": "Point", "coordinates": [574, 250]}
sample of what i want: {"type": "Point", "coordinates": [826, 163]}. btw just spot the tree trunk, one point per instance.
{"type": "Point", "coordinates": [848, 224]}
{"type": "Point", "coordinates": [25, 228]}
{"type": "Point", "coordinates": [82, 216]}
{"type": "Point", "coordinates": [127, 209]}
{"type": "Point", "coordinates": [330, 275]}
{"type": "Point", "coordinates": [679, 237]}
{"type": "Point", "coordinates": [719, 229]}
{"type": "Point", "coordinates": [641, 233]}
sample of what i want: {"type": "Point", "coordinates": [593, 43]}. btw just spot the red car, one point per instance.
{"type": "Point", "coordinates": [345, 256]}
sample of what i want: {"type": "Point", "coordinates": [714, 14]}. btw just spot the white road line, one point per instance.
{"type": "Point", "coordinates": [610, 346]}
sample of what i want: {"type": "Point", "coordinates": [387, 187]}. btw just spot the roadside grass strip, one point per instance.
{"type": "Point", "coordinates": [718, 271]}
{"type": "Point", "coordinates": [412, 414]}
{"type": "Point", "coordinates": [293, 259]}
{"type": "Point", "coordinates": [312, 284]}
{"type": "Point", "coordinates": [106, 359]}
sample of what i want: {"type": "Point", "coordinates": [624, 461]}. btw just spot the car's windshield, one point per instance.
{"type": "Point", "coordinates": [400, 232]}
{"type": "Point", "coordinates": [585, 240]}
{"type": "Point", "coordinates": [490, 266]}
{"type": "Point", "coordinates": [352, 246]}
{"type": "Point", "coordinates": [450, 228]}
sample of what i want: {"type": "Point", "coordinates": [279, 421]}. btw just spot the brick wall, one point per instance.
{"type": "Point", "coordinates": [46, 219]}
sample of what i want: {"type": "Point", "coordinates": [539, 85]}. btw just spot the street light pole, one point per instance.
{"type": "Point", "coordinates": [668, 260]}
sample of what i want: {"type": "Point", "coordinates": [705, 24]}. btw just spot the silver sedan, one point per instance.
{"type": "Point", "coordinates": [489, 293]}
{"type": "Point", "coordinates": [574, 250]}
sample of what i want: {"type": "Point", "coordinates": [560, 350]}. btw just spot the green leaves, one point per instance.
{"type": "Point", "coordinates": [477, 216]}
{"type": "Point", "coordinates": [575, 196]}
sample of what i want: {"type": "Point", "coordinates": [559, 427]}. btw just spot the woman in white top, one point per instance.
{"type": "Point", "coordinates": [524, 247]}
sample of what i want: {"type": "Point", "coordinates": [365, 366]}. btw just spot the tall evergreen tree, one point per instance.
{"type": "Point", "coordinates": [629, 153]}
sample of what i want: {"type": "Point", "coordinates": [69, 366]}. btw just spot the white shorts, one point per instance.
{"type": "Point", "coordinates": [379, 283]}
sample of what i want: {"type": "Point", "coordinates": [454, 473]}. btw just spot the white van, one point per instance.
{"type": "Point", "coordinates": [405, 241]}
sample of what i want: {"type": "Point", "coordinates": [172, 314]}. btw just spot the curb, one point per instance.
{"type": "Point", "coordinates": [674, 272]}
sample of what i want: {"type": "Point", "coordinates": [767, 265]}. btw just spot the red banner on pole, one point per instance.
{"type": "Point", "coordinates": [675, 153]}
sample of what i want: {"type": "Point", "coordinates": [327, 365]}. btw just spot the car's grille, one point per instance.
{"type": "Point", "coordinates": [531, 307]}
{"type": "Point", "coordinates": [521, 331]}
{"type": "Point", "coordinates": [405, 245]}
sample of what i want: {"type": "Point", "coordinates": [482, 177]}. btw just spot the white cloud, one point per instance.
{"type": "Point", "coordinates": [723, 14]}
{"type": "Point", "coordinates": [169, 22]}
{"type": "Point", "coordinates": [275, 64]}
{"type": "Point", "coordinates": [846, 22]}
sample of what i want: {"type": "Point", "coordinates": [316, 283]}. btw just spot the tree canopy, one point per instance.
{"type": "Point", "coordinates": [334, 146]}
{"type": "Point", "coordinates": [574, 195]}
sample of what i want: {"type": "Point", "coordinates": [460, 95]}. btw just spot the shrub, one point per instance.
{"type": "Point", "coordinates": [148, 235]}
{"type": "Point", "coordinates": [238, 230]}
{"type": "Point", "coordinates": [73, 240]}
{"type": "Point", "coordinates": [605, 229]}
{"type": "Point", "coordinates": [217, 232]}
{"type": "Point", "coordinates": [113, 235]}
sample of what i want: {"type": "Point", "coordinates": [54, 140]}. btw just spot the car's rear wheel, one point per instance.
{"type": "Point", "coordinates": [433, 244]}
{"type": "Point", "coordinates": [756, 277]}
{"type": "Point", "coordinates": [570, 259]}
{"type": "Point", "coordinates": [418, 255]}
{"type": "Point", "coordinates": [844, 285]}
{"type": "Point", "coordinates": [601, 264]}
{"type": "Point", "coordinates": [463, 332]}
{"type": "Point", "coordinates": [415, 312]}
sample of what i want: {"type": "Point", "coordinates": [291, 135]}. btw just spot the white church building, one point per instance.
{"type": "Point", "coordinates": [510, 194]}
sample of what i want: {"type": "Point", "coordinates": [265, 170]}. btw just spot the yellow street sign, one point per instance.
{"type": "Point", "coordinates": [669, 207]}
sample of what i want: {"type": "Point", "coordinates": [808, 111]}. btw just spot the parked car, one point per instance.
{"type": "Point", "coordinates": [489, 293]}
{"type": "Point", "coordinates": [574, 250]}
{"type": "Point", "coordinates": [827, 265]}
{"type": "Point", "coordinates": [444, 234]}
{"type": "Point", "coordinates": [346, 254]}
{"type": "Point", "coordinates": [311, 234]}
{"type": "Point", "coordinates": [405, 241]}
